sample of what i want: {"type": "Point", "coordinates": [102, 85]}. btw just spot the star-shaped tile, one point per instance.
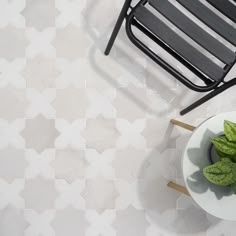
{"type": "Point", "coordinates": [72, 73]}
{"type": "Point", "coordinates": [10, 73]}
{"type": "Point", "coordinates": [10, 194]}
{"type": "Point", "coordinates": [94, 13]}
{"type": "Point", "coordinates": [154, 194]}
{"type": "Point", "coordinates": [99, 194]}
{"type": "Point", "coordinates": [40, 42]}
{"type": "Point", "coordinates": [40, 103]}
{"type": "Point", "coordinates": [128, 194]}
{"type": "Point", "coordinates": [39, 223]}
{"type": "Point", "coordinates": [10, 13]}
{"type": "Point", "coordinates": [71, 42]}
{"type": "Point", "coordinates": [10, 133]}
{"type": "Point", "coordinates": [106, 133]}
{"type": "Point", "coordinates": [69, 164]}
{"type": "Point", "coordinates": [39, 194]}
{"type": "Point", "coordinates": [131, 219]}
{"type": "Point", "coordinates": [131, 133]}
{"type": "Point", "coordinates": [129, 105]}
{"type": "Point", "coordinates": [70, 134]}
{"type": "Point", "coordinates": [12, 42]}
{"type": "Point", "coordinates": [67, 99]}
{"type": "Point", "coordinates": [101, 103]}
{"type": "Point", "coordinates": [70, 221]}
{"type": "Point", "coordinates": [40, 133]}
{"type": "Point", "coordinates": [40, 14]}
{"type": "Point", "coordinates": [70, 194]}
{"type": "Point", "coordinates": [101, 224]}
{"type": "Point", "coordinates": [70, 12]}
{"type": "Point", "coordinates": [40, 73]}
{"type": "Point", "coordinates": [15, 99]}
{"type": "Point", "coordinates": [12, 222]}
{"type": "Point", "coordinates": [161, 164]}
{"type": "Point", "coordinates": [133, 160]}
{"type": "Point", "coordinates": [39, 164]}
{"type": "Point", "coordinates": [100, 164]}
{"type": "Point", "coordinates": [154, 129]}
{"type": "Point", "coordinates": [12, 163]}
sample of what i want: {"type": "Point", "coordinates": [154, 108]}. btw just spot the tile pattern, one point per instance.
{"type": "Point", "coordinates": [86, 148]}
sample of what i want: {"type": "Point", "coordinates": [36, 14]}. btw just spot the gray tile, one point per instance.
{"type": "Point", "coordinates": [106, 133]}
{"type": "Point", "coordinates": [69, 164]}
{"type": "Point", "coordinates": [40, 133]}
{"type": "Point", "coordinates": [67, 99]}
{"type": "Point", "coordinates": [128, 105]}
{"type": "Point", "coordinates": [12, 222]}
{"type": "Point", "coordinates": [39, 194]}
{"type": "Point", "coordinates": [12, 164]}
{"type": "Point", "coordinates": [99, 194]}
{"type": "Point", "coordinates": [11, 73]}
{"type": "Point", "coordinates": [13, 103]}
{"type": "Point", "coordinates": [154, 132]}
{"type": "Point", "coordinates": [40, 73]}
{"type": "Point", "coordinates": [35, 219]}
{"type": "Point", "coordinates": [69, 194]}
{"type": "Point", "coordinates": [12, 42]}
{"type": "Point", "coordinates": [133, 161]}
{"type": "Point", "coordinates": [155, 195]}
{"type": "Point", "coordinates": [130, 222]}
{"type": "Point", "coordinates": [69, 222]}
{"type": "Point", "coordinates": [71, 42]}
{"type": "Point", "coordinates": [40, 14]}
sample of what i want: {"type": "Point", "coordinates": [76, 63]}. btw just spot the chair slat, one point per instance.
{"type": "Point", "coordinates": [194, 31]}
{"type": "Point", "coordinates": [226, 7]}
{"type": "Point", "coordinates": [178, 44]}
{"type": "Point", "coordinates": [211, 19]}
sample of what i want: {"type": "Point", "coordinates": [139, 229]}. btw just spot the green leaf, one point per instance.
{"type": "Point", "coordinates": [223, 145]}
{"type": "Point", "coordinates": [223, 155]}
{"type": "Point", "coordinates": [230, 130]}
{"type": "Point", "coordinates": [221, 173]}
{"type": "Point", "coordinates": [233, 187]}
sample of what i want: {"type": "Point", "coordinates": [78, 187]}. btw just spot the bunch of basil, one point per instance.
{"type": "Point", "coordinates": [224, 172]}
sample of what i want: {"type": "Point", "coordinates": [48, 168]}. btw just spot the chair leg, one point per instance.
{"type": "Point", "coordinates": [182, 125]}
{"type": "Point", "coordinates": [209, 96]}
{"type": "Point", "coordinates": [117, 26]}
{"type": "Point", "coordinates": [173, 185]}
{"type": "Point", "coordinates": [178, 188]}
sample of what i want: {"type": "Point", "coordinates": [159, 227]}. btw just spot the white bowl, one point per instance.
{"type": "Point", "coordinates": [216, 200]}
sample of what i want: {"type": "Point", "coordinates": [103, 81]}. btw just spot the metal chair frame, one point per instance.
{"type": "Point", "coordinates": [213, 86]}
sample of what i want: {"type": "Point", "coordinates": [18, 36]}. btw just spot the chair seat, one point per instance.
{"type": "Point", "coordinates": [211, 19]}
{"type": "Point", "coordinates": [226, 7]}
{"type": "Point", "coordinates": [194, 31]}
{"type": "Point", "coordinates": [180, 46]}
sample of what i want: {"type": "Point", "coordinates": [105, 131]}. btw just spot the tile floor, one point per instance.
{"type": "Point", "coordinates": [86, 148]}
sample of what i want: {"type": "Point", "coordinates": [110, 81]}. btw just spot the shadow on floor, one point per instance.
{"type": "Point", "coordinates": [165, 208]}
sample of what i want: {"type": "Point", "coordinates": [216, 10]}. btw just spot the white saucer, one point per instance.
{"type": "Point", "coordinates": [216, 200]}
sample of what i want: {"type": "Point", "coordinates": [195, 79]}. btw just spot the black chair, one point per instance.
{"type": "Point", "coordinates": [142, 17]}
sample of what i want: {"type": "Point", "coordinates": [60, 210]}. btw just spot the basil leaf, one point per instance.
{"type": "Point", "coordinates": [230, 130]}
{"type": "Point", "coordinates": [221, 173]}
{"type": "Point", "coordinates": [223, 155]}
{"type": "Point", "coordinates": [222, 144]}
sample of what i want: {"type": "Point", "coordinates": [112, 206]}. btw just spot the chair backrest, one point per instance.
{"type": "Point", "coordinates": [196, 60]}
